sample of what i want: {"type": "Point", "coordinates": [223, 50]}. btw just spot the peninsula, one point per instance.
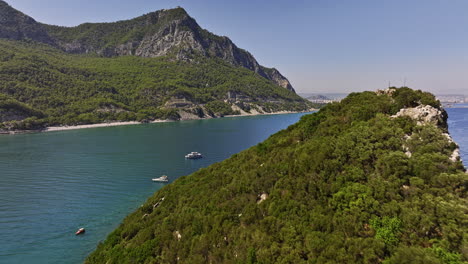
{"type": "Point", "coordinates": [375, 178]}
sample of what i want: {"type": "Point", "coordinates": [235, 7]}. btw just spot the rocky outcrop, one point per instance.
{"type": "Point", "coordinates": [274, 75]}
{"type": "Point", "coordinates": [425, 114]}
{"type": "Point", "coordinates": [456, 152]}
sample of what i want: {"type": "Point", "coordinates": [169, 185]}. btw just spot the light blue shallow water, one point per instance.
{"type": "Point", "coordinates": [53, 183]}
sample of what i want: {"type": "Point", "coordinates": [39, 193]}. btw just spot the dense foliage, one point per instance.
{"type": "Point", "coordinates": [337, 187]}
{"type": "Point", "coordinates": [106, 35]}
{"type": "Point", "coordinates": [79, 89]}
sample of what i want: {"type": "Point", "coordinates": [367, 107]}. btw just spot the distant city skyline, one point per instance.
{"type": "Point", "coordinates": [320, 46]}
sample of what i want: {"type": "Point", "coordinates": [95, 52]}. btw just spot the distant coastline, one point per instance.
{"type": "Point", "coordinates": [126, 123]}
{"type": "Point", "coordinates": [455, 105]}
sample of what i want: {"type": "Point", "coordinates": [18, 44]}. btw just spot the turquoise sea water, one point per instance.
{"type": "Point", "coordinates": [53, 183]}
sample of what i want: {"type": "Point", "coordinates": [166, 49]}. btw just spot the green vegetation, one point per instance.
{"type": "Point", "coordinates": [339, 188]}
{"type": "Point", "coordinates": [220, 108]}
{"type": "Point", "coordinates": [100, 36]}
{"type": "Point", "coordinates": [59, 88]}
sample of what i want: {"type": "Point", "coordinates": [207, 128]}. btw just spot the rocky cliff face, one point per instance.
{"type": "Point", "coordinates": [169, 32]}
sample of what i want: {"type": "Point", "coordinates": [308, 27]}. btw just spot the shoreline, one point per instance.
{"type": "Point", "coordinates": [127, 123]}
{"type": "Point", "coordinates": [109, 124]}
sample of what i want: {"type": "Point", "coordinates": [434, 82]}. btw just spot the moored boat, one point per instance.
{"type": "Point", "coordinates": [80, 231]}
{"type": "Point", "coordinates": [163, 178]}
{"type": "Point", "coordinates": [194, 155]}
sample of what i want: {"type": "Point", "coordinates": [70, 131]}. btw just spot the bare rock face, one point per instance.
{"type": "Point", "coordinates": [274, 75]}
{"type": "Point", "coordinates": [388, 92]}
{"type": "Point", "coordinates": [425, 114]}
{"type": "Point", "coordinates": [262, 198]}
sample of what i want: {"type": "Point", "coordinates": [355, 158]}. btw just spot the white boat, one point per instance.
{"type": "Point", "coordinates": [194, 155]}
{"type": "Point", "coordinates": [163, 178]}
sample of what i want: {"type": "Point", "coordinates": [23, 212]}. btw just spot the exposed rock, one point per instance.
{"type": "Point", "coordinates": [184, 115]}
{"type": "Point", "coordinates": [177, 235]}
{"type": "Point", "coordinates": [408, 153]}
{"type": "Point", "coordinates": [455, 155]}
{"type": "Point", "coordinates": [262, 198]}
{"type": "Point", "coordinates": [274, 75]}
{"type": "Point", "coordinates": [425, 114]}
{"type": "Point", "coordinates": [389, 92]}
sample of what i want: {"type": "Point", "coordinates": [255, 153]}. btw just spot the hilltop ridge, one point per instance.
{"type": "Point", "coordinates": [372, 179]}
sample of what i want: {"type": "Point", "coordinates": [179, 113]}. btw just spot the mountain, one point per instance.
{"type": "Point", "coordinates": [160, 33]}
{"type": "Point", "coordinates": [375, 178]}
{"type": "Point", "coordinates": [161, 65]}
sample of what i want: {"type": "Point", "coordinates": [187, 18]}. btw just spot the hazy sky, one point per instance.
{"type": "Point", "coordinates": [320, 45]}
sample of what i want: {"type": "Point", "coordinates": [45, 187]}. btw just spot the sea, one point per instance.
{"type": "Point", "coordinates": [53, 183]}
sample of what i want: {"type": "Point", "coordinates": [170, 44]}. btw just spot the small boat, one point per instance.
{"type": "Point", "coordinates": [163, 178]}
{"type": "Point", "coordinates": [194, 155]}
{"type": "Point", "coordinates": [80, 231]}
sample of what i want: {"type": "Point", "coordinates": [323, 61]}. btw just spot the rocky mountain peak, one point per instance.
{"type": "Point", "coordinates": [168, 32]}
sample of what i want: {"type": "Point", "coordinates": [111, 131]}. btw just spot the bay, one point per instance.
{"type": "Point", "coordinates": [53, 183]}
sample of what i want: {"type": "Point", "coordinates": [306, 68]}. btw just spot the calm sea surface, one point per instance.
{"type": "Point", "coordinates": [458, 127]}
{"type": "Point", "coordinates": [53, 183]}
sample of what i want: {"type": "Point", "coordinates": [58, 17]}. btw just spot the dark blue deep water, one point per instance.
{"type": "Point", "coordinates": [53, 183]}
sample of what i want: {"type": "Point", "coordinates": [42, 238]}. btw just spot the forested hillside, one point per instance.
{"type": "Point", "coordinates": [71, 89]}
{"type": "Point", "coordinates": [161, 65]}
{"type": "Point", "coordinates": [360, 181]}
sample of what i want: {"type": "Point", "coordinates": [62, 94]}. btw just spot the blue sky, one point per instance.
{"type": "Point", "coordinates": [320, 45]}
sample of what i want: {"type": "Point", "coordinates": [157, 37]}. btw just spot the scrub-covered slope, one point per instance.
{"type": "Point", "coordinates": [361, 181]}
{"type": "Point", "coordinates": [77, 89]}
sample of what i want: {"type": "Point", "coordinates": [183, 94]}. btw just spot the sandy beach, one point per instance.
{"type": "Point", "coordinates": [111, 124]}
